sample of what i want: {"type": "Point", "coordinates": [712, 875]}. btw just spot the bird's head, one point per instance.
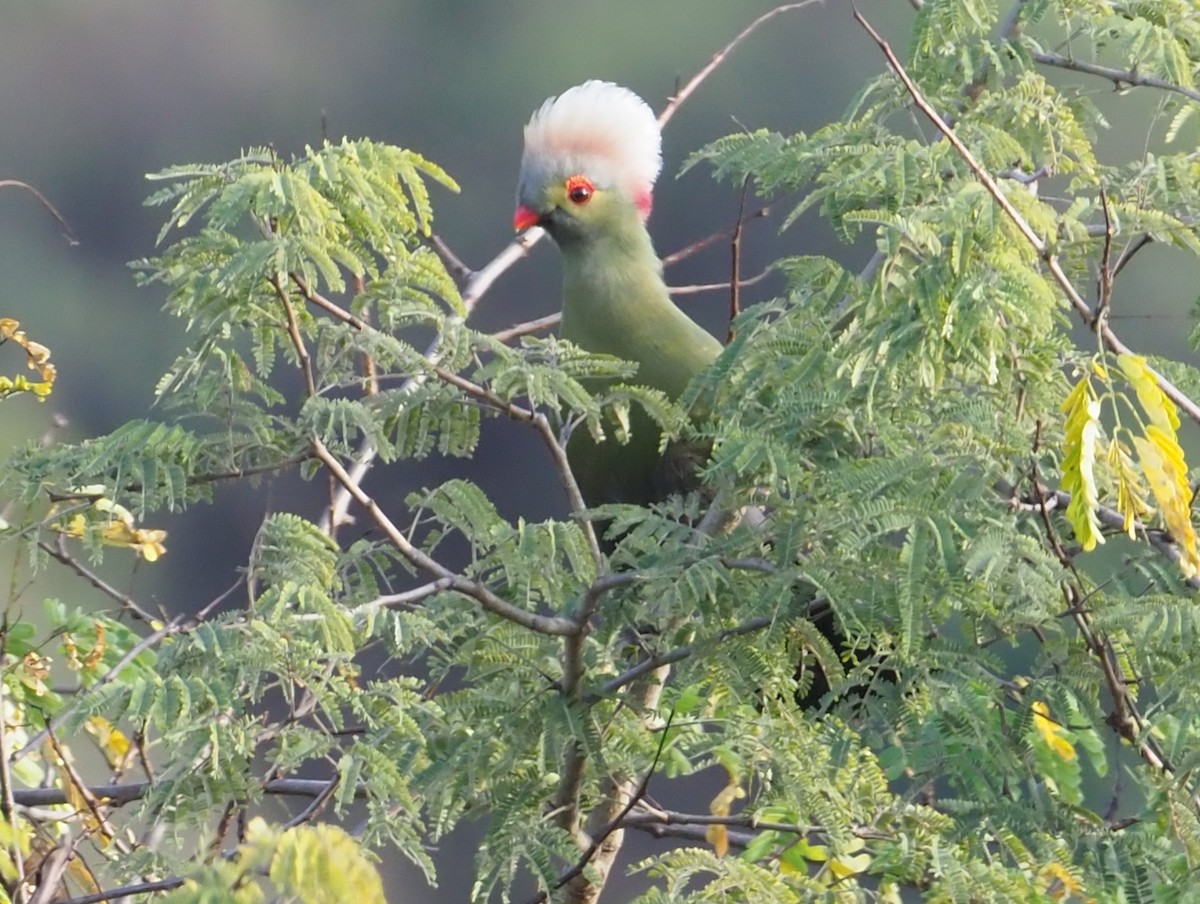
{"type": "Point", "coordinates": [591, 157]}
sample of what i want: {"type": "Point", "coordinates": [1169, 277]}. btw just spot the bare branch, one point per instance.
{"type": "Point", "coordinates": [124, 600]}
{"type": "Point", "coordinates": [45, 202]}
{"type": "Point", "coordinates": [1104, 288]}
{"type": "Point", "coordinates": [407, 598]}
{"type": "Point", "coordinates": [125, 891]}
{"type": "Point", "coordinates": [654, 815]}
{"type": "Point", "coordinates": [714, 287]}
{"type": "Point", "coordinates": [719, 57]}
{"type": "Point", "coordinates": [543, 624]}
{"type": "Point", "coordinates": [529, 327]}
{"type": "Point", "coordinates": [117, 795]}
{"type": "Point", "coordinates": [735, 265]}
{"type": "Point", "coordinates": [688, 250]}
{"type": "Point", "coordinates": [1118, 77]}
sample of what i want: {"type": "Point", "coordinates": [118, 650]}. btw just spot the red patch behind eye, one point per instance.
{"type": "Point", "coordinates": [644, 201]}
{"type": "Point", "coordinates": [580, 189]}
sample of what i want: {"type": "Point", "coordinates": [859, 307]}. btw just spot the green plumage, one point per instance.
{"type": "Point", "coordinates": [591, 157]}
{"type": "Point", "coordinates": [615, 303]}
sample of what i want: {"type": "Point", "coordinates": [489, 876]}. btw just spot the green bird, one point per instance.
{"type": "Point", "coordinates": [587, 176]}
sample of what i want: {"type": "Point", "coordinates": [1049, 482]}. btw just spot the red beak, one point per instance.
{"type": "Point", "coordinates": [523, 218]}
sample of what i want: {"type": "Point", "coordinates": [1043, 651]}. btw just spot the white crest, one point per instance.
{"type": "Point", "coordinates": [599, 130]}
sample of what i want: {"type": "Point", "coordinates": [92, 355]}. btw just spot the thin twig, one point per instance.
{"type": "Point", "coordinates": [293, 328]}
{"type": "Point", "coordinates": [719, 57]}
{"type": "Point", "coordinates": [697, 246]}
{"type": "Point", "coordinates": [118, 795]}
{"type": "Point", "coordinates": [735, 265]}
{"type": "Point", "coordinates": [648, 815]}
{"type": "Point", "coordinates": [528, 328]}
{"type": "Point", "coordinates": [124, 600]}
{"type": "Point", "coordinates": [1127, 255]}
{"type": "Point", "coordinates": [1104, 286]}
{"type": "Point", "coordinates": [1118, 77]}
{"type": "Point", "coordinates": [716, 287]}
{"type": "Point", "coordinates": [543, 624]}
{"type": "Point", "coordinates": [658, 660]}
{"type": "Point", "coordinates": [407, 598]}
{"type": "Point", "coordinates": [453, 262]}
{"type": "Point", "coordinates": [45, 202]}
{"type": "Point", "coordinates": [319, 802]}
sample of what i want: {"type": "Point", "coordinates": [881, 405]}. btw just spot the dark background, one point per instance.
{"type": "Point", "coordinates": [94, 96]}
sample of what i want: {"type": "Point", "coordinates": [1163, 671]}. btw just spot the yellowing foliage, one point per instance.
{"type": "Point", "coordinates": [1051, 732]}
{"type": "Point", "coordinates": [718, 835]}
{"type": "Point", "coordinates": [120, 530]}
{"type": "Point", "coordinates": [37, 358]}
{"type": "Point", "coordinates": [1159, 454]}
{"type": "Point", "coordinates": [1078, 469]}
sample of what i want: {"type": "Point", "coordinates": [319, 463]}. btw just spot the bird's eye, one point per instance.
{"type": "Point", "coordinates": [579, 189]}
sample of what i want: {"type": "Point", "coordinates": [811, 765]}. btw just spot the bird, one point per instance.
{"type": "Point", "coordinates": [591, 158]}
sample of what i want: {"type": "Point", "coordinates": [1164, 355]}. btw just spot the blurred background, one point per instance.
{"type": "Point", "coordinates": [95, 95]}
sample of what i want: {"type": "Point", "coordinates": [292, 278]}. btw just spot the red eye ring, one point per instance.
{"type": "Point", "coordinates": [579, 189]}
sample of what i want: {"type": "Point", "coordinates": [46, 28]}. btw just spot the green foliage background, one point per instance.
{"type": "Point", "coordinates": [901, 425]}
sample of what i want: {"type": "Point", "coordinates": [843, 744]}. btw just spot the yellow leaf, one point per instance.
{"type": "Point", "coordinates": [843, 867]}
{"type": "Point", "coordinates": [37, 358]}
{"type": "Point", "coordinates": [112, 742]}
{"type": "Point", "coordinates": [1157, 406]}
{"type": "Point", "coordinates": [1059, 883]}
{"type": "Point", "coordinates": [1051, 732]}
{"type": "Point", "coordinates": [718, 835]}
{"type": "Point", "coordinates": [1082, 436]}
{"type": "Point", "coordinates": [121, 530]}
{"type": "Point", "coordinates": [1131, 491]}
{"type": "Point", "coordinates": [1166, 472]}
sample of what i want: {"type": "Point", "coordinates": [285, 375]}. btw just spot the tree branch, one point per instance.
{"type": "Point", "coordinates": [543, 624]}
{"type": "Point", "coordinates": [1045, 252]}
{"type": "Point", "coordinates": [670, 657]}
{"type": "Point", "coordinates": [719, 57]}
{"type": "Point", "coordinates": [178, 625]}
{"type": "Point", "coordinates": [1118, 77]}
{"type": "Point", "coordinates": [125, 601]}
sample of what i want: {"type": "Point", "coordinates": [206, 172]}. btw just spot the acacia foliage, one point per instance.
{"type": "Point", "coordinates": [1012, 716]}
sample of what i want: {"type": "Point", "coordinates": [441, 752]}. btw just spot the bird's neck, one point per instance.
{"type": "Point", "coordinates": [612, 284]}
{"type": "Point", "coordinates": [616, 303]}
